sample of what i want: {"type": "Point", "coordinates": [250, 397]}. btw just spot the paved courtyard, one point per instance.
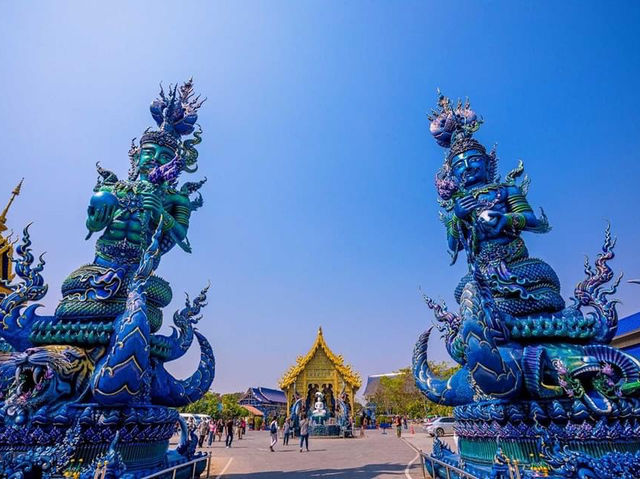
{"type": "Point", "coordinates": [381, 456]}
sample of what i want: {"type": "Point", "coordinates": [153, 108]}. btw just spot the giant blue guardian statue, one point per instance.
{"type": "Point", "coordinates": [87, 387]}
{"type": "Point", "coordinates": [538, 386]}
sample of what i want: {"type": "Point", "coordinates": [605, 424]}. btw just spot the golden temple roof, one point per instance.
{"type": "Point", "coordinates": [350, 376]}
{"type": "Point", "coordinates": [3, 215]}
{"type": "Point", "coordinates": [6, 247]}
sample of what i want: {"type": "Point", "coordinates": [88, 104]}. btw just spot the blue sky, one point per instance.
{"type": "Point", "coordinates": [320, 207]}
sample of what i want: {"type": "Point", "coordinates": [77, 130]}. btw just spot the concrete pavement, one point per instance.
{"type": "Point", "coordinates": [423, 442]}
{"type": "Point", "coordinates": [376, 456]}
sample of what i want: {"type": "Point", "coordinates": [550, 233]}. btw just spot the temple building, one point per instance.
{"type": "Point", "coordinates": [6, 247]}
{"type": "Point", "coordinates": [628, 337]}
{"type": "Point", "coordinates": [320, 370]}
{"type": "Point", "coordinates": [269, 402]}
{"type": "Point", "coordinates": [373, 383]}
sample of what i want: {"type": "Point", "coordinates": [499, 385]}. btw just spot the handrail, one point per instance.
{"type": "Point", "coordinates": [447, 467]}
{"type": "Point", "coordinates": [175, 468]}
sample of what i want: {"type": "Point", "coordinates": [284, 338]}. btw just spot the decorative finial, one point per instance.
{"type": "Point", "coordinates": [3, 216]}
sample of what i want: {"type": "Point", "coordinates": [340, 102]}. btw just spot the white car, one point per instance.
{"type": "Point", "coordinates": [441, 426]}
{"type": "Point", "coordinates": [197, 418]}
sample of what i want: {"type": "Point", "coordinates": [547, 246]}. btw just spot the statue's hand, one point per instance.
{"type": "Point", "coordinates": [152, 203]}
{"type": "Point", "coordinates": [493, 222]}
{"type": "Point", "coordinates": [102, 207]}
{"type": "Point", "coordinates": [98, 218]}
{"type": "Point", "coordinates": [464, 206]}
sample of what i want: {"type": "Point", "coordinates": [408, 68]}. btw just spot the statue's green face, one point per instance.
{"type": "Point", "coordinates": [152, 155]}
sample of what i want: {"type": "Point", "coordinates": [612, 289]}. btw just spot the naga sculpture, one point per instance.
{"type": "Point", "coordinates": [536, 375]}
{"type": "Point", "coordinates": [88, 385]}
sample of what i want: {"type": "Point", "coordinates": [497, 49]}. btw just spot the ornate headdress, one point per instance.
{"type": "Point", "coordinates": [453, 128]}
{"type": "Point", "coordinates": [175, 113]}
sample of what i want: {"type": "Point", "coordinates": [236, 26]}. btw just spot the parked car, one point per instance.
{"type": "Point", "coordinates": [202, 417]}
{"type": "Point", "coordinates": [428, 420]}
{"type": "Point", "coordinates": [441, 426]}
{"type": "Point", "coordinates": [197, 418]}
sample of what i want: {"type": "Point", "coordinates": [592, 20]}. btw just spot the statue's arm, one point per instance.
{"type": "Point", "coordinates": [521, 216]}
{"type": "Point", "coordinates": [176, 218]}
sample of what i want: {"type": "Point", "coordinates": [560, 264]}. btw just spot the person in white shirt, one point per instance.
{"type": "Point", "coordinates": [304, 432]}
{"type": "Point", "coordinates": [273, 429]}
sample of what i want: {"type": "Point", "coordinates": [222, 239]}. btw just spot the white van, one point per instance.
{"type": "Point", "coordinates": [196, 418]}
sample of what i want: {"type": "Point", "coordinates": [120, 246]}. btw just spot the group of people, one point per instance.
{"type": "Point", "coordinates": [399, 422]}
{"type": "Point", "coordinates": [287, 431]}
{"type": "Point", "coordinates": [209, 429]}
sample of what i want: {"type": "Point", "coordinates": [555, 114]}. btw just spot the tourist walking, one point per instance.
{"type": "Point", "coordinates": [212, 431]}
{"type": "Point", "coordinates": [219, 429]}
{"type": "Point", "coordinates": [398, 422]}
{"type": "Point", "coordinates": [229, 431]}
{"type": "Point", "coordinates": [273, 430]}
{"type": "Point", "coordinates": [363, 425]}
{"type": "Point", "coordinates": [304, 433]}
{"type": "Point", "coordinates": [286, 429]}
{"type": "Point", "coordinates": [203, 428]}
{"type": "Point", "coordinates": [239, 429]}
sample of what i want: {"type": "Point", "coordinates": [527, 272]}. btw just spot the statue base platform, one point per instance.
{"type": "Point", "coordinates": [324, 430]}
{"type": "Point", "coordinates": [545, 438]}
{"type": "Point", "coordinates": [134, 440]}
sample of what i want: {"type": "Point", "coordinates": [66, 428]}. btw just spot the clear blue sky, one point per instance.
{"type": "Point", "coordinates": [320, 206]}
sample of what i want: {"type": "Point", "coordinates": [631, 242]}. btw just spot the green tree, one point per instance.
{"type": "Point", "coordinates": [208, 404]}
{"type": "Point", "coordinates": [399, 394]}
{"type": "Point", "coordinates": [217, 406]}
{"type": "Point", "coordinates": [357, 408]}
{"type": "Point", "coordinates": [230, 406]}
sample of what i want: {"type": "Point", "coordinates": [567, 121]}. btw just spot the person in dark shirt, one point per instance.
{"type": "Point", "coordinates": [229, 430]}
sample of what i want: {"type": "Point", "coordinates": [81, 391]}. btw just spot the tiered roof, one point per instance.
{"type": "Point", "coordinates": [269, 395]}
{"type": "Point", "coordinates": [350, 376]}
{"type": "Point", "coordinates": [265, 395]}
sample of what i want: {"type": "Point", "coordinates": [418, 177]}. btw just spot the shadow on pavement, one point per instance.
{"type": "Point", "coordinates": [364, 472]}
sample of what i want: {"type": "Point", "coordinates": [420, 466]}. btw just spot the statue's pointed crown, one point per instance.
{"type": "Point", "coordinates": [175, 112]}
